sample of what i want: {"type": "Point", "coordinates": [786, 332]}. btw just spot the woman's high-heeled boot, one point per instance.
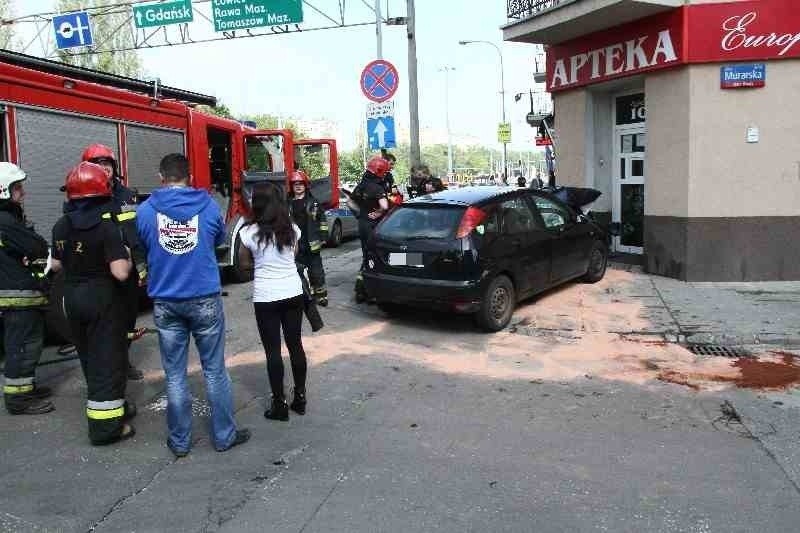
{"type": "Point", "coordinates": [278, 410]}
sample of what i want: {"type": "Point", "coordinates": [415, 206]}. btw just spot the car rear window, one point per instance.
{"type": "Point", "coordinates": [426, 222]}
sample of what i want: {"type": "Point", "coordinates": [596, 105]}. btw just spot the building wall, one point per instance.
{"type": "Point", "coordinates": [570, 112]}
{"type": "Point", "coordinates": [601, 162]}
{"type": "Point", "coordinates": [719, 208]}
{"type": "Point", "coordinates": [733, 178]}
{"type": "Point", "coordinates": [669, 136]}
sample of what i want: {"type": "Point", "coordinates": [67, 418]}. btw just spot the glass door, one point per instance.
{"type": "Point", "coordinates": [629, 178]}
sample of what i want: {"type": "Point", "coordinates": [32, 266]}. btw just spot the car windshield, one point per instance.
{"type": "Point", "coordinates": [409, 223]}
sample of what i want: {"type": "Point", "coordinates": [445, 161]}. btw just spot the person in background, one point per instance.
{"type": "Point", "coordinates": [180, 227]}
{"type": "Point", "coordinates": [22, 299]}
{"type": "Point", "coordinates": [88, 246]}
{"type": "Point", "coordinates": [370, 200]}
{"type": "Point", "coordinates": [395, 197]}
{"type": "Point", "coordinates": [270, 242]}
{"type": "Point", "coordinates": [309, 216]}
{"type": "Point", "coordinates": [419, 175]}
{"type": "Point", "coordinates": [124, 211]}
{"type": "Point", "coordinates": [388, 179]}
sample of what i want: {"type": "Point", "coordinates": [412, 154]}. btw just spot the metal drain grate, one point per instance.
{"type": "Point", "coordinates": [716, 350]}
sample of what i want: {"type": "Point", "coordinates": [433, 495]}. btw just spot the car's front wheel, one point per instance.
{"type": "Point", "coordinates": [497, 304]}
{"type": "Point", "coordinates": [598, 262]}
{"type": "Point", "coordinates": [335, 238]}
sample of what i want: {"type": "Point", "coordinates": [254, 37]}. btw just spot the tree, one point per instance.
{"type": "Point", "coordinates": [111, 30]}
{"type": "Point", "coordinates": [6, 30]}
{"type": "Point", "coordinates": [220, 110]}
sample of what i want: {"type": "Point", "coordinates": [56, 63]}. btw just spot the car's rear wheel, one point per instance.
{"type": "Point", "coordinates": [598, 262]}
{"type": "Point", "coordinates": [336, 235]}
{"type": "Point", "coordinates": [497, 304]}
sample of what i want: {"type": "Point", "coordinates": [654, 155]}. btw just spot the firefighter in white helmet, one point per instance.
{"type": "Point", "coordinates": [23, 255]}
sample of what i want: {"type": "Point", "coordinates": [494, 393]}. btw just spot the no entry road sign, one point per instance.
{"type": "Point", "coordinates": [379, 80]}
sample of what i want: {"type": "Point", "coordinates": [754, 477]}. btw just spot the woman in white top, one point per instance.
{"type": "Point", "coordinates": [272, 239]}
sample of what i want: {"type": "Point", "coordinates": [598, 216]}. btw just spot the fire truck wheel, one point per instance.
{"type": "Point", "coordinates": [238, 275]}
{"type": "Point", "coordinates": [57, 327]}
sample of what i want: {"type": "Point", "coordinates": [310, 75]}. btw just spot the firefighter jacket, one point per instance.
{"type": "Point", "coordinates": [368, 194]}
{"type": "Point", "coordinates": [125, 214]}
{"type": "Point", "coordinates": [312, 221]}
{"type": "Point", "coordinates": [23, 256]}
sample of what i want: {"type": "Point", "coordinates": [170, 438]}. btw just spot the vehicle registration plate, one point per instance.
{"type": "Point", "coordinates": [404, 259]}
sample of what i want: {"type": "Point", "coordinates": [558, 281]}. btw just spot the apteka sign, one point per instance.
{"type": "Point", "coordinates": [648, 44]}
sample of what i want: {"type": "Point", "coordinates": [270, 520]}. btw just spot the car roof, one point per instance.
{"type": "Point", "coordinates": [463, 195]}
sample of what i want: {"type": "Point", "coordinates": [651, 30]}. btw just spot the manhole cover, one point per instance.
{"type": "Point", "coordinates": [716, 350]}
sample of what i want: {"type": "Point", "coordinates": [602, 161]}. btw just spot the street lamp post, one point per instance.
{"type": "Point", "coordinates": [502, 97]}
{"type": "Point", "coordinates": [447, 71]}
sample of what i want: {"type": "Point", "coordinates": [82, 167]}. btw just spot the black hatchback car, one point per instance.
{"type": "Point", "coordinates": [480, 250]}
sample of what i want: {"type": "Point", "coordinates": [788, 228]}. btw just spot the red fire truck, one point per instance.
{"type": "Point", "coordinates": [50, 111]}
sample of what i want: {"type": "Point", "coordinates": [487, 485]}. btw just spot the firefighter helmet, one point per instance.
{"type": "Point", "coordinates": [378, 166]}
{"type": "Point", "coordinates": [298, 176]}
{"type": "Point", "coordinates": [9, 175]}
{"type": "Point", "coordinates": [97, 152]}
{"type": "Point", "coordinates": [87, 180]}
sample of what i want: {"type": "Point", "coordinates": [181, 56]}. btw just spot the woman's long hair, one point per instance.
{"type": "Point", "coordinates": [271, 215]}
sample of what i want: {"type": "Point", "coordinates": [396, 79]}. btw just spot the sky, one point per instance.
{"type": "Point", "coordinates": [315, 75]}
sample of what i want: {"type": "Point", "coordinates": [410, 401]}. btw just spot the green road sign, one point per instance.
{"type": "Point", "coordinates": [232, 15]}
{"type": "Point", "coordinates": [162, 13]}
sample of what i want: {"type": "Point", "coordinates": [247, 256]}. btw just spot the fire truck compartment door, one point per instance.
{"type": "Point", "coordinates": [49, 145]}
{"type": "Point", "coordinates": [146, 147]}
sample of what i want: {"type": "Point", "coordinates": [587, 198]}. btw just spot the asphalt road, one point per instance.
{"type": "Point", "coordinates": [415, 423]}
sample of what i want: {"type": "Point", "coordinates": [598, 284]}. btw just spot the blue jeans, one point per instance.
{"type": "Point", "coordinates": [205, 320]}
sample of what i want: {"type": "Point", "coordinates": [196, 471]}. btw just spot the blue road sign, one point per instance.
{"type": "Point", "coordinates": [381, 133]}
{"type": "Point", "coordinates": [73, 30]}
{"type": "Point", "coordinates": [379, 80]}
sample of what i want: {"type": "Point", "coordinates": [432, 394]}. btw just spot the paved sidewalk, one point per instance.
{"type": "Point", "coordinates": [631, 302]}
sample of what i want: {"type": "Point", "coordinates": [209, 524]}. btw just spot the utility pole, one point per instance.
{"type": "Point", "coordinates": [379, 28]}
{"type": "Point", "coordinates": [502, 96]}
{"type": "Point", "coordinates": [413, 90]}
{"type": "Point", "coordinates": [447, 120]}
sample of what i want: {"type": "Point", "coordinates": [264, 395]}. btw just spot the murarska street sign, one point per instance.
{"type": "Point", "coordinates": [162, 13]}
{"type": "Point", "coordinates": [231, 15]}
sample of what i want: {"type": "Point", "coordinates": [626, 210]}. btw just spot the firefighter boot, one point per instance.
{"type": "Point", "coordinates": [27, 404]}
{"type": "Point", "coordinates": [321, 296]}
